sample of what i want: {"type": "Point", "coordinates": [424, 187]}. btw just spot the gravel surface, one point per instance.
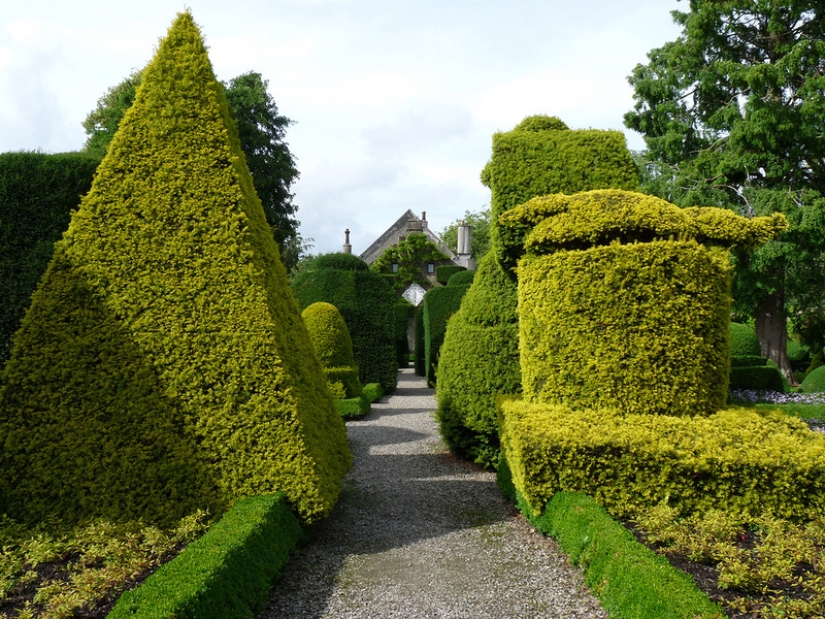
{"type": "Point", "coordinates": [418, 533]}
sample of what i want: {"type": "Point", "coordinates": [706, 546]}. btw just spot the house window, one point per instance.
{"type": "Point", "coordinates": [430, 268]}
{"type": "Point", "coordinates": [395, 267]}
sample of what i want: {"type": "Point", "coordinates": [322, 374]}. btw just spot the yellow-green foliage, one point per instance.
{"type": "Point", "coordinates": [329, 334]}
{"type": "Point", "coordinates": [742, 460]}
{"type": "Point", "coordinates": [630, 308]}
{"type": "Point", "coordinates": [557, 222]}
{"type": "Point", "coordinates": [643, 327]}
{"type": "Point", "coordinates": [479, 357]}
{"type": "Point", "coordinates": [164, 362]}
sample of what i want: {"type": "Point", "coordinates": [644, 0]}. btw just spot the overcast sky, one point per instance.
{"type": "Point", "coordinates": [394, 102]}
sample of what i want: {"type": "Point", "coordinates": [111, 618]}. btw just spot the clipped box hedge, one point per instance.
{"type": "Point", "coordinates": [227, 573]}
{"type": "Point", "coordinates": [630, 580]}
{"type": "Point", "coordinates": [748, 461]}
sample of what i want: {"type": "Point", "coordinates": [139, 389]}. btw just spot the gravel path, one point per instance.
{"type": "Point", "coordinates": [420, 534]}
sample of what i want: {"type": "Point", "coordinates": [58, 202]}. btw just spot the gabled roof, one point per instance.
{"type": "Point", "coordinates": [401, 228]}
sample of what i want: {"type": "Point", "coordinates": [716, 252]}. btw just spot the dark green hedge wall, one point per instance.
{"type": "Point", "coordinates": [37, 195]}
{"type": "Point", "coordinates": [367, 303]}
{"type": "Point", "coordinates": [420, 366]}
{"type": "Point", "coordinates": [404, 310]}
{"type": "Point", "coordinates": [163, 363]}
{"type": "Point", "coordinates": [479, 357]}
{"type": "Point", "coordinates": [439, 304]}
{"type": "Point", "coordinates": [462, 278]}
{"type": "Point", "coordinates": [444, 272]}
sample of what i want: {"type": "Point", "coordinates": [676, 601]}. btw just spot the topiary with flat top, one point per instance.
{"type": "Point", "coordinates": [164, 364]}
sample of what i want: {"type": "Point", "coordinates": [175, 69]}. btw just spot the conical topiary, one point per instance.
{"type": "Point", "coordinates": [164, 363]}
{"type": "Point", "coordinates": [333, 345]}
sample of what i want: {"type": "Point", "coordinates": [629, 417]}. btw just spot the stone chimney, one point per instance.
{"type": "Point", "coordinates": [464, 252]}
{"type": "Point", "coordinates": [347, 246]}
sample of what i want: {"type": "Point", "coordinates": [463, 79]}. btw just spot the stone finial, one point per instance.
{"type": "Point", "coordinates": [347, 246]}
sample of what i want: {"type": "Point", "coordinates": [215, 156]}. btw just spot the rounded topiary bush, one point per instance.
{"type": "Point", "coordinates": [333, 345]}
{"type": "Point", "coordinates": [815, 381]}
{"type": "Point", "coordinates": [743, 341]}
{"type": "Point", "coordinates": [366, 302]}
{"type": "Point", "coordinates": [329, 334]}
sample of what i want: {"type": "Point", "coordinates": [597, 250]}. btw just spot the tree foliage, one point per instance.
{"type": "Point", "coordinates": [733, 114]}
{"type": "Point", "coordinates": [479, 223]}
{"type": "Point", "coordinates": [261, 130]}
{"type": "Point", "coordinates": [404, 261]}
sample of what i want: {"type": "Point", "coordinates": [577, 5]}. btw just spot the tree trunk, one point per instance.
{"type": "Point", "coordinates": [772, 332]}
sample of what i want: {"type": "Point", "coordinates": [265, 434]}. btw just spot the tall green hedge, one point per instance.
{"type": "Point", "coordinates": [37, 195]}
{"type": "Point", "coordinates": [479, 357]}
{"type": "Point", "coordinates": [164, 363]}
{"type": "Point", "coordinates": [420, 366]}
{"type": "Point", "coordinates": [439, 304]}
{"type": "Point", "coordinates": [367, 303]}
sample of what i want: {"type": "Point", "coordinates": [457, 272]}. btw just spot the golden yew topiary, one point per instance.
{"type": "Point", "coordinates": [333, 345]}
{"type": "Point", "coordinates": [164, 363]}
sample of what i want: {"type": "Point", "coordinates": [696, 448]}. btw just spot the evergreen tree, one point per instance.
{"type": "Point", "coordinates": [163, 363]}
{"type": "Point", "coordinates": [733, 115]}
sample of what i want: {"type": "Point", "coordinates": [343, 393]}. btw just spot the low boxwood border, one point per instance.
{"type": "Point", "coordinates": [226, 574]}
{"type": "Point", "coordinates": [630, 580]}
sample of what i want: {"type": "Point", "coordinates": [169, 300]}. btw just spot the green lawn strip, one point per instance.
{"type": "Point", "coordinates": [225, 574]}
{"type": "Point", "coordinates": [803, 411]}
{"type": "Point", "coordinates": [630, 580]}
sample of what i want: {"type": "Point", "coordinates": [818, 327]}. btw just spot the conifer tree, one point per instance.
{"type": "Point", "coordinates": [164, 363]}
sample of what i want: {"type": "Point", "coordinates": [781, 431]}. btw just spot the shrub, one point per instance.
{"type": "Point", "coordinates": [462, 278]}
{"type": "Point", "coordinates": [353, 408]}
{"type": "Point", "coordinates": [163, 364]}
{"type": "Point", "coordinates": [420, 364]}
{"type": "Point", "coordinates": [333, 345]}
{"type": "Point", "coordinates": [410, 258]}
{"type": "Point", "coordinates": [339, 262]}
{"type": "Point", "coordinates": [226, 574]}
{"type": "Point", "coordinates": [37, 195]}
{"type": "Point", "coordinates": [757, 377]}
{"type": "Point", "coordinates": [438, 305]}
{"type": "Point", "coordinates": [815, 381]}
{"type": "Point", "coordinates": [742, 362]}
{"type": "Point", "coordinates": [367, 303]}
{"type": "Point", "coordinates": [743, 341]}
{"type": "Point", "coordinates": [619, 289]}
{"type": "Point", "coordinates": [479, 358]}
{"type": "Point", "coordinates": [629, 579]}
{"type": "Point", "coordinates": [742, 460]}
{"type": "Point", "coordinates": [404, 310]}
{"type": "Point", "coordinates": [444, 272]}
{"type": "Point", "coordinates": [329, 334]}
{"type": "Point", "coordinates": [373, 392]}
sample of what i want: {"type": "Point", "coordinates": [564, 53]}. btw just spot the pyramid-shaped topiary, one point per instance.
{"type": "Point", "coordinates": [164, 363]}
